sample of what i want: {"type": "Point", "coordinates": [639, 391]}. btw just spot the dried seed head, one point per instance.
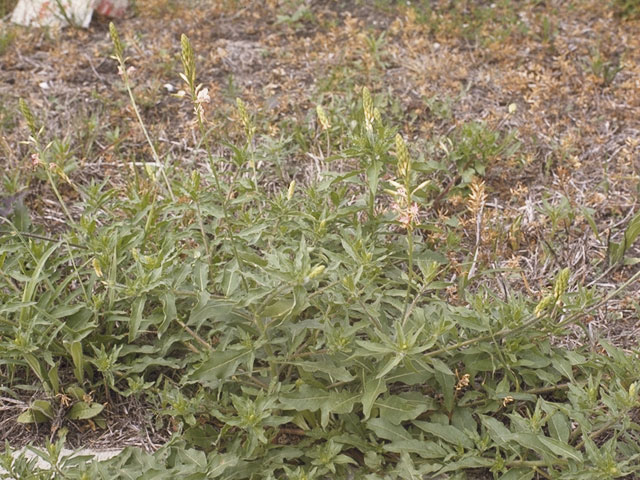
{"type": "Point", "coordinates": [292, 188]}
{"type": "Point", "coordinates": [478, 196]}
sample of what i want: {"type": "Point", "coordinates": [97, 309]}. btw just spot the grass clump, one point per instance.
{"type": "Point", "coordinates": [322, 327]}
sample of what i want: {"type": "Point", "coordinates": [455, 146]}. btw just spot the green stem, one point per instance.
{"type": "Point", "coordinates": [405, 316]}
{"type": "Point", "coordinates": [534, 320]}
{"type": "Point", "coordinates": [156, 157]}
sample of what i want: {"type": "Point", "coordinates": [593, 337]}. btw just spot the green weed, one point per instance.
{"type": "Point", "coordinates": [308, 329]}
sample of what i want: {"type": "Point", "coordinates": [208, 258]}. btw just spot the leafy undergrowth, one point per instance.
{"type": "Point", "coordinates": [333, 328]}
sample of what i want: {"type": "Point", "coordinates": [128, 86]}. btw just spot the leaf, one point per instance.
{"type": "Point", "coordinates": [54, 379]}
{"type": "Point", "coordinates": [279, 308]}
{"type": "Point", "coordinates": [29, 291]}
{"type": "Point", "coordinates": [447, 381]}
{"type": "Point", "coordinates": [559, 426]}
{"type": "Point", "coordinates": [136, 316]}
{"type": "Point", "coordinates": [425, 449]}
{"type": "Point", "coordinates": [314, 399]}
{"type": "Point", "coordinates": [399, 408]}
{"type": "Point", "coordinates": [219, 366]}
{"type": "Point", "coordinates": [518, 474]}
{"type": "Point", "coordinates": [387, 430]}
{"type": "Point", "coordinates": [75, 349]}
{"type": "Point", "coordinates": [84, 411]}
{"type": "Point", "coordinates": [467, 462]}
{"type": "Point", "coordinates": [617, 250]}
{"type": "Point", "coordinates": [218, 463]}
{"type": "Point", "coordinates": [390, 364]}
{"type": "Point", "coordinates": [448, 433]}
{"type": "Point", "coordinates": [496, 430]}
{"type": "Point", "coordinates": [34, 363]}
{"type": "Point", "coordinates": [561, 448]}
{"type": "Point", "coordinates": [531, 441]}
{"type": "Point", "coordinates": [40, 411]}
{"type": "Point", "coordinates": [335, 372]}
{"type": "Point", "coordinates": [169, 310]}
{"type": "Point", "coordinates": [562, 366]}
{"type": "Point", "coordinates": [64, 311]}
{"type": "Point", "coordinates": [372, 389]}
{"type": "Point", "coordinates": [208, 309]}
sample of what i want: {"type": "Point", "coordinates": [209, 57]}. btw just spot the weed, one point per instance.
{"type": "Point", "coordinates": [627, 8]}
{"type": "Point", "coordinates": [603, 68]}
{"type": "Point", "coordinates": [288, 326]}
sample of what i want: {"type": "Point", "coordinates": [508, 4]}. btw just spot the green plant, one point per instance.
{"type": "Point", "coordinates": [603, 68]}
{"type": "Point", "coordinates": [307, 327]}
{"type": "Point", "coordinates": [627, 8]}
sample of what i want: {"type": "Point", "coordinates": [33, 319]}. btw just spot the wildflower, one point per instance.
{"type": "Point", "coordinates": [129, 72]}
{"type": "Point", "coordinates": [35, 160]}
{"type": "Point", "coordinates": [408, 215]}
{"type": "Point", "coordinates": [202, 97]}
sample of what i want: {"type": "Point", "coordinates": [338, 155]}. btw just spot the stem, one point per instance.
{"type": "Point", "coordinates": [59, 197]}
{"type": "Point", "coordinates": [156, 158]}
{"type": "Point", "coordinates": [508, 332]}
{"type": "Point", "coordinates": [225, 210]}
{"type": "Point", "coordinates": [405, 316]}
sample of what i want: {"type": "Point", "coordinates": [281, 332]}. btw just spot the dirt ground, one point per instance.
{"type": "Point", "coordinates": [563, 76]}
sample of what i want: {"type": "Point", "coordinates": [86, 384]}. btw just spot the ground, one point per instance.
{"type": "Point", "coordinates": [557, 82]}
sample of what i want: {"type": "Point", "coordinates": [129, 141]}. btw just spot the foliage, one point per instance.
{"type": "Point", "coordinates": [306, 331]}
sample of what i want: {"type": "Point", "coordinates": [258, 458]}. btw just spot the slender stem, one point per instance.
{"type": "Point", "coordinates": [154, 152]}
{"type": "Point", "coordinates": [225, 210]}
{"type": "Point", "coordinates": [405, 316]}
{"type": "Point", "coordinates": [534, 320]}
{"type": "Point", "coordinates": [196, 337]}
{"type": "Point", "coordinates": [59, 197]}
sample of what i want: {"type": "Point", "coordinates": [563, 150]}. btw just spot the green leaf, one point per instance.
{"type": "Point", "coordinates": [496, 430]}
{"type": "Point", "coordinates": [560, 448]}
{"type": "Point", "coordinates": [39, 411]}
{"type": "Point", "coordinates": [54, 379]}
{"type": "Point", "coordinates": [169, 310]}
{"type": "Point", "coordinates": [372, 389]}
{"type": "Point", "coordinates": [447, 381]}
{"type": "Point", "coordinates": [467, 462]}
{"type": "Point", "coordinates": [218, 463]}
{"type": "Point", "coordinates": [30, 289]}
{"type": "Point", "coordinates": [617, 250]}
{"type": "Point", "coordinates": [335, 372]}
{"type": "Point", "coordinates": [518, 474]}
{"type": "Point", "coordinates": [531, 441]}
{"type": "Point", "coordinates": [562, 366]}
{"type": "Point", "coordinates": [34, 363]}
{"type": "Point", "coordinates": [64, 311]}
{"type": "Point", "coordinates": [448, 433]}
{"type": "Point", "coordinates": [314, 399]}
{"type": "Point", "coordinates": [208, 309]}
{"type": "Point", "coordinates": [387, 430]}
{"type": "Point", "coordinates": [84, 411]}
{"type": "Point", "coordinates": [279, 308]}
{"type": "Point", "coordinates": [425, 449]}
{"type": "Point", "coordinates": [219, 366]}
{"type": "Point", "coordinates": [75, 349]}
{"type": "Point", "coordinates": [399, 408]}
{"type": "Point", "coordinates": [136, 317]}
